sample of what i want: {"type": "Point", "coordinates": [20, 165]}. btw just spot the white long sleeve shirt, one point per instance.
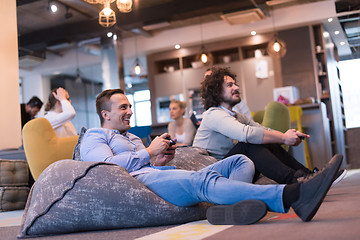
{"type": "Point", "coordinates": [61, 122]}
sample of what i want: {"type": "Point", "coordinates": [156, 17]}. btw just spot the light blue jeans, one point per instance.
{"type": "Point", "coordinates": [225, 182]}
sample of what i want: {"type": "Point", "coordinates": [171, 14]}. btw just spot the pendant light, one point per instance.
{"type": "Point", "coordinates": [136, 67]}
{"type": "Point", "coordinates": [204, 56]}
{"type": "Point", "coordinates": [78, 79]}
{"type": "Point", "coordinates": [276, 47]}
{"type": "Point", "coordinates": [107, 16]}
{"type": "Point", "coordinates": [124, 6]}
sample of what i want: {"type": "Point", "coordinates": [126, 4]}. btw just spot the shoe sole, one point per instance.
{"type": "Point", "coordinates": [312, 206]}
{"type": "Point", "coordinates": [339, 178]}
{"type": "Point", "coordinates": [241, 213]}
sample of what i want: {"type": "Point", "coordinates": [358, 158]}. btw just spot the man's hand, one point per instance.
{"type": "Point", "coordinates": [293, 137]}
{"type": "Point", "coordinates": [163, 158]}
{"type": "Point", "coordinates": [159, 146]}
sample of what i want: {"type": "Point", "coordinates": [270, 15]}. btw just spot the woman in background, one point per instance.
{"type": "Point", "coordinates": [182, 129]}
{"type": "Point", "coordinates": [60, 112]}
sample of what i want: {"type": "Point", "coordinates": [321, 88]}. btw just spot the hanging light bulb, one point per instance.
{"type": "Point", "coordinates": [52, 6]}
{"type": "Point", "coordinates": [204, 57]}
{"type": "Point", "coordinates": [78, 79]}
{"type": "Point", "coordinates": [107, 16]}
{"type": "Point", "coordinates": [137, 68]}
{"type": "Point", "coordinates": [276, 47]}
{"type": "Point", "coordinates": [124, 6]}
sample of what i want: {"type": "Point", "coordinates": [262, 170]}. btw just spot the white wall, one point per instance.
{"type": "Point", "coordinates": [10, 121]}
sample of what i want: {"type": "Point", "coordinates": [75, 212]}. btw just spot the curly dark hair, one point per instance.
{"type": "Point", "coordinates": [211, 86]}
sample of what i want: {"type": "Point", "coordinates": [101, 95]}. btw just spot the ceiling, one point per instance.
{"type": "Point", "coordinates": [40, 30]}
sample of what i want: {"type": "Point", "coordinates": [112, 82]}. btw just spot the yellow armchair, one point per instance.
{"type": "Point", "coordinates": [42, 147]}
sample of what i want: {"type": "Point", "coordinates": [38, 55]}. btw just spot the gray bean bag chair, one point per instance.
{"type": "Point", "coordinates": [72, 196]}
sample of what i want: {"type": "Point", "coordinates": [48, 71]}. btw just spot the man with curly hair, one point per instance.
{"type": "Point", "coordinates": [220, 126]}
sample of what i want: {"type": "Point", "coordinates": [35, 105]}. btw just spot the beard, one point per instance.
{"type": "Point", "coordinates": [232, 101]}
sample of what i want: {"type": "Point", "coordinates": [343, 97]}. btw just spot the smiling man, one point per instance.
{"type": "Point", "coordinates": [220, 127]}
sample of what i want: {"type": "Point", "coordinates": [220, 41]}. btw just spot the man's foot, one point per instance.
{"type": "Point", "coordinates": [339, 176]}
{"type": "Point", "coordinates": [313, 191]}
{"type": "Point", "coordinates": [241, 213]}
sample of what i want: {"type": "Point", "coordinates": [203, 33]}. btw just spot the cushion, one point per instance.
{"type": "Point", "coordinates": [13, 198]}
{"type": "Point", "coordinates": [71, 196]}
{"type": "Point", "coordinates": [76, 153]}
{"type": "Point", "coordinates": [14, 173]}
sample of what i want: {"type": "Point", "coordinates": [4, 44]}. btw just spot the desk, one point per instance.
{"type": "Point", "coordinates": [315, 123]}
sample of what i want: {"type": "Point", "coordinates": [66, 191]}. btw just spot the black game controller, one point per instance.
{"type": "Point", "coordinates": [172, 142]}
{"type": "Point", "coordinates": [301, 137]}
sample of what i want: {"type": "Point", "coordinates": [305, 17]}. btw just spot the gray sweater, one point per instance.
{"type": "Point", "coordinates": [219, 128]}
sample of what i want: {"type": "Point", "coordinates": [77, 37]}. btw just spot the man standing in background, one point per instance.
{"type": "Point", "coordinates": [30, 110]}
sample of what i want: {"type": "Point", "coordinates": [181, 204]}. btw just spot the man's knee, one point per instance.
{"type": "Point", "coordinates": [242, 160]}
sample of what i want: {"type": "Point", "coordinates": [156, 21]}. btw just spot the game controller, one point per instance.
{"type": "Point", "coordinates": [172, 142]}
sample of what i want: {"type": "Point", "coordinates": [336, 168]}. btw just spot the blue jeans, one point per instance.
{"type": "Point", "coordinates": [225, 182]}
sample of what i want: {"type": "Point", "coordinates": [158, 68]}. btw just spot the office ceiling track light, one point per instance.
{"type": "Point", "coordinates": [107, 16]}
{"type": "Point", "coordinates": [52, 6]}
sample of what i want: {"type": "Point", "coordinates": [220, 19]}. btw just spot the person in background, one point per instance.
{"type": "Point", "coordinates": [30, 110]}
{"type": "Point", "coordinates": [60, 112]}
{"type": "Point", "coordinates": [182, 129]}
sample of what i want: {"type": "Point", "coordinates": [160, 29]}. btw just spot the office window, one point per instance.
{"type": "Point", "coordinates": [140, 101]}
{"type": "Point", "coordinates": [350, 78]}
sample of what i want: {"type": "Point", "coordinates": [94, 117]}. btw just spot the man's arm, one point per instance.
{"type": "Point", "coordinates": [291, 137]}
{"type": "Point", "coordinates": [104, 146]}
{"type": "Point", "coordinates": [222, 122]}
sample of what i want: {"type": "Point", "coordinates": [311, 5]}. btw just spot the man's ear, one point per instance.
{"type": "Point", "coordinates": [105, 115]}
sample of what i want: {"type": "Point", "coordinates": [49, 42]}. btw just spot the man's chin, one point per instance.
{"type": "Point", "coordinates": [236, 101]}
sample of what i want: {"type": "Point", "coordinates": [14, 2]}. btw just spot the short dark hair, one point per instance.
{"type": "Point", "coordinates": [211, 87]}
{"type": "Point", "coordinates": [35, 102]}
{"type": "Point", "coordinates": [103, 101]}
